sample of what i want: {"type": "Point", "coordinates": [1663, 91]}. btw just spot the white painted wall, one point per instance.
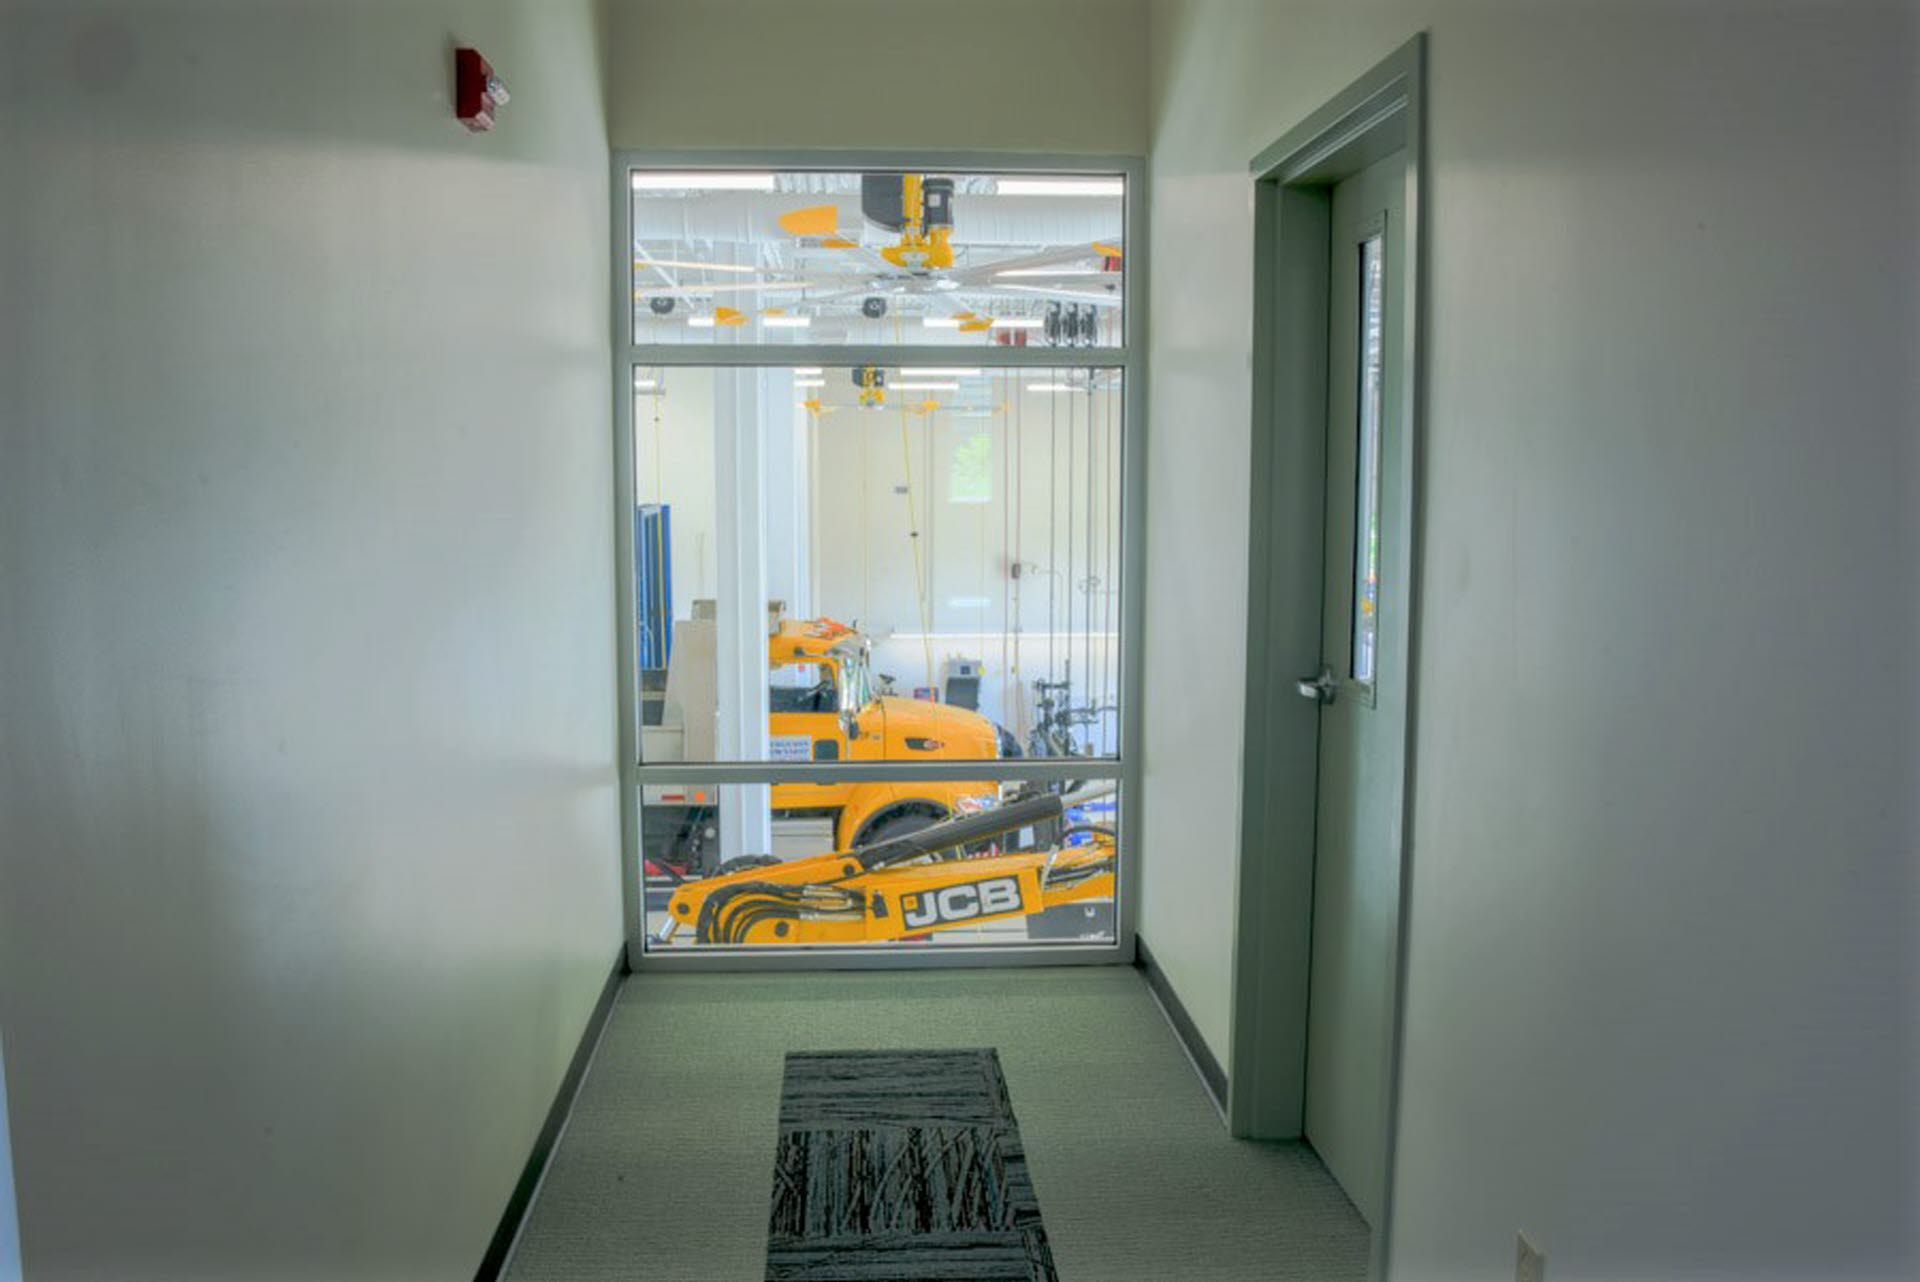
{"type": "Point", "coordinates": [1031, 75]}
{"type": "Point", "coordinates": [673, 463]}
{"type": "Point", "coordinates": [307, 788]}
{"type": "Point", "coordinates": [1663, 902]}
{"type": "Point", "coordinates": [1054, 507]}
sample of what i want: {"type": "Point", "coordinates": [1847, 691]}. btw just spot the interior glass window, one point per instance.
{"type": "Point", "coordinates": [1366, 534]}
{"type": "Point", "coordinates": [875, 462]}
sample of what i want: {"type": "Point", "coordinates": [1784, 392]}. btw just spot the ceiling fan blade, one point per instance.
{"type": "Point", "coordinates": [814, 220]}
{"type": "Point", "coordinates": [838, 295]}
{"type": "Point", "coordinates": [982, 273]}
{"type": "Point", "coordinates": [729, 287]}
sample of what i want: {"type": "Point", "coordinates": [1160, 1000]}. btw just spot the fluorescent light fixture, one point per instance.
{"type": "Point", "coordinates": [700, 322]}
{"type": "Point", "coordinates": [1019, 322]}
{"type": "Point", "coordinates": [1055, 387]}
{"type": "Point", "coordinates": [925, 387]}
{"type": "Point", "coordinates": [700, 180]}
{"type": "Point", "coordinates": [702, 267]}
{"type": "Point", "coordinates": [646, 384]}
{"type": "Point", "coordinates": [809, 371]}
{"type": "Point", "coordinates": [1052, 271]}
{"type": "Point", "coordinates": [786, 322]}
{"type": "Point", "coordinates": [1060, 187]}
{"type": "Point", "coordinates": [809, 382]}
{"type": "Point", "coordinates": [907, 371]}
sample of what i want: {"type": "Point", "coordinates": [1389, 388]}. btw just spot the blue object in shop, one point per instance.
{"type": "Point", "coordinates": [653, 582]}
{"type": "Point", "coordinates": [1104, 812]}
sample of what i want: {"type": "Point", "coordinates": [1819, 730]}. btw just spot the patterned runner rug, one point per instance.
{"type": "Point", "coordinates": [902, 1166]}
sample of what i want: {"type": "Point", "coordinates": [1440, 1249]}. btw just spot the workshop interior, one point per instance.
{"type": "Point", "coordinates": [876, 557]}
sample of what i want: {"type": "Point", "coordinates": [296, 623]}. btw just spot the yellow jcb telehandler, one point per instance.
{"type": "Point", "coordinates": [912, 885]}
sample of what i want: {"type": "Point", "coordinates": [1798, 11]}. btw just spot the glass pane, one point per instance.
{"type": "Point", "coordinates": [878, 257]}
{"type": "Point", "coordinates": [908, 563]}
{"type": "Point", "coordinates": [1366, 534]}
{"type": "Point", "coordinates": [960, 862]}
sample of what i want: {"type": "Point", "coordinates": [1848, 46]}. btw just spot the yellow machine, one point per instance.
{"type": "Point", "coordinates": [909, 886]}
{"type": "Point", "coordinates": [916, 207]}
{"type": "Point", "coordinates": [926, 224]}
{"type": "Point", "coordinates": [824, 708]}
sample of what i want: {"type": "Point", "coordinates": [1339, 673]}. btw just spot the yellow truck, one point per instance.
{"type": "Point", "coordinates": [824, 706]}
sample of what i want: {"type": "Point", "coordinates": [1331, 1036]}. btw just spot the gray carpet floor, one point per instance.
{"type": "Point", "coordinates": [666, 1170]}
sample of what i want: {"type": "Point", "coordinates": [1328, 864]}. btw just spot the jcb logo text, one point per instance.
{"type": "Point", "coordinates": [963, 902]}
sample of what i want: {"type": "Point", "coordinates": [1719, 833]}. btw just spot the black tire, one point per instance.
{"type": "Point", "coordinates": [896, 825]}
{"type": "Point", "coordinates": [741, 863]}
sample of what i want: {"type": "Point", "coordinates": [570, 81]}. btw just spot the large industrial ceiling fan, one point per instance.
{"type": "Point", "coordinates": [900, 249]}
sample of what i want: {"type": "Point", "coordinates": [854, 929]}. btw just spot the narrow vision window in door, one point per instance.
{"type": "Point", "coordinates": [1366, 534]}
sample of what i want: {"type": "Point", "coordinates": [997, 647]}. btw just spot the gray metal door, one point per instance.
{"type": "Point", "coordinates": [1364, 615]}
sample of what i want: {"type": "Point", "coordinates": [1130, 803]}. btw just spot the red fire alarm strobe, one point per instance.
{"type": "Point", "coordinates": [478, 93]}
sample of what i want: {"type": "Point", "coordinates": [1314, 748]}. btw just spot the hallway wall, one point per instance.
{"type": "Point", "coordinates": [1020, 75]}
{"type": "Point", "coordinates": [1664, 825]}
{"type": "Point", "coordinates": [307, 788]}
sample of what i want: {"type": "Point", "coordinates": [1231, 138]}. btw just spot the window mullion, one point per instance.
{"type": "Point", "coordinates": [754, 772]}
{"type": "Point", "coordinates": [759, 355]}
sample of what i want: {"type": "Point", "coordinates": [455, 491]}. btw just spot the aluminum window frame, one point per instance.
{"type": "Point", "coordinates": [1129, 358]}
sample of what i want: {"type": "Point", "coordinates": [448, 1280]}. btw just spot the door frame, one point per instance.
{"type": "Point", "coordinates": [1382, 111]}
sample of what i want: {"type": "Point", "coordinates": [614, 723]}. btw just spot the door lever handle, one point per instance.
{"type": "Point", "coordinates": [1320, 689]}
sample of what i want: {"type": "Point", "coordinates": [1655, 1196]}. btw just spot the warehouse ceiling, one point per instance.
{"type": "Point", "coordinates": [823, 257]}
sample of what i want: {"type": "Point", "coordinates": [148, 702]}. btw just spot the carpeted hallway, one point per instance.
{"type": "Point", "coordinates": [666, 1169]}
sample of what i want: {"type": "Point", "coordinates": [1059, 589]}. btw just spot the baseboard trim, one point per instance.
{"type": "Point", "coordinates": [1211, 1075]}
{"type": "Point", "coordinates": [493, 1265]}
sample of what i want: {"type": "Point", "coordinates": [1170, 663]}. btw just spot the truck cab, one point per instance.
{"type": "Point", "coordinates": [824, 706]}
